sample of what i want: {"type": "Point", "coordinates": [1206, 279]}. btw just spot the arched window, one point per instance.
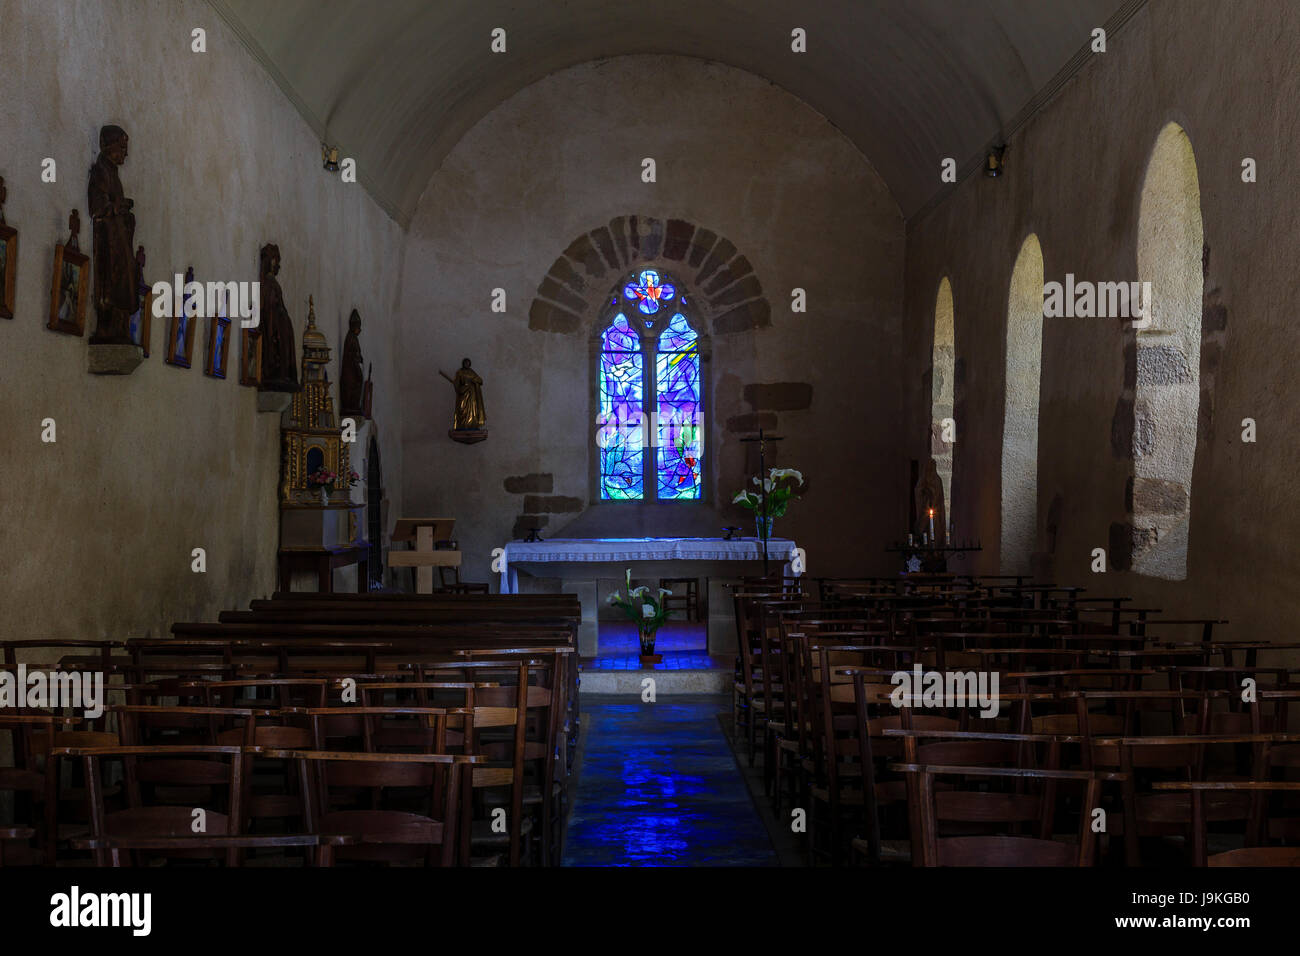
{"type": "Point", "coordinates": [650, 354]}
{"type": "Point", "coordinates": [1167, 399]}
{"type": "Point", "coordinates": [943, 364]}
{"type": "Point", "coordinates": [1020, 409]}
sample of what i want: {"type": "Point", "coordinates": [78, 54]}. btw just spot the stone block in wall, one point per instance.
{"type": "Point", "coordinates": [677, 239]}
{"type": "Point", "coordinates": [732, 272]}
{"type": "Point", "coordinates": [535, 482]}
{"type": "Point", "coordinates": [651, 235]}
{"type": "Point", "coordinates": [1121, 428]}
{"type": "Point", "coordinates": [1159, 497]}
{"type": "Point", "coordinates": [1119, 550]}
{"type": "Point", "coordinates": [1214, 315]}
{"type": "Point", "coordinates": [618, 231]}
{"type": "Point", "coordinates": [701, 245]}
{"type": "Point", "coordinates": [720, 255]}
{"type": "Point", "coordinates": [779, 396]}
{"type": "Point", "coordinates": [562, 271]}
{"type": "Point", "coordinates": [559, 294]}
{"type": "Point", "coordinates": [551, 504]}
{"type": "Point", "coordinates": [754, 314]}
{"type": "Point", "coordinates": [603, 240]}
{"type": "Point", "coordinates": [1162, 365]}
{"type": "Point", "coordinates": [585, 254]}
{"type": "Point", "coordinates": [1144, 433]}
{"type": "Point", "coordinates": [742, 291]}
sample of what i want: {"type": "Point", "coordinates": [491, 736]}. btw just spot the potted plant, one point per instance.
{"type": "Point", "coordinates": [327, 482]}
{"type": "Point", "coordinates": [777, 490]}
{"type": "Point", "coordinates": [646, 611]}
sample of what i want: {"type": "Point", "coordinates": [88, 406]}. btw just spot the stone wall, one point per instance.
{"type": "Point", "coordinates": [1074, 176]}
{"type": "Point", "coordinates": [755, 195]}
{"type": "Point", "coordinates": [98, 527]}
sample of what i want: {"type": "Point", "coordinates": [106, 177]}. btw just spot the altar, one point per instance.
{"type": "Point", "coordinates": [580, 564]}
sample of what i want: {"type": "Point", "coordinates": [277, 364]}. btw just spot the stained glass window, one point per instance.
{"type": "Point", "coordinates": [677, 394]}
{"type": "Point", "coordinates": [622, 396]}
{"type": "Point", "coordinates": [648, 291]}
{"type": "Point", "coordinates": [664, 370]}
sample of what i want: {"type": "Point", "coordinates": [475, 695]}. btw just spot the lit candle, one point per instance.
{"type": "Point", "coordinates": [931, 524]}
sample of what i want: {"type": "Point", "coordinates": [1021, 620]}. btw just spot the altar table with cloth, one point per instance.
{"type": "Point", "coordinates": [581, 563]}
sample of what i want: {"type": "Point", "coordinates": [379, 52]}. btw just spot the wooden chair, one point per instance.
{"type": "Point", "coordinates": [1004, 811]}
{"type": "Point", "coordinates": [685, 596]}
{"type": "Point", "coordinates": [382, 834]}
{"type": "Point", "coordinates": [1251, 854]}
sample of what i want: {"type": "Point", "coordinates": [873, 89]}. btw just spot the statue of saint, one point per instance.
{"type": "Point", "coordinates": [279, 364]}
{"type": "Point", "coordinates": [929, 495]}
{"type": "Point", "coordinates": [351, 385]}
{"type": "Point", "coordinates": [113, 237]}
{"type": "Point", "coordinates": [470, 415]}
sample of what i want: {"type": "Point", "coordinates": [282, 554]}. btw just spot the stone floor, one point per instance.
{"type": "Point", "coordinates": [658, 786]}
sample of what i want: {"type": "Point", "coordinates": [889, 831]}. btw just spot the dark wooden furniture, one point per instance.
{"type": "Point", "coordinates": [323, 561]}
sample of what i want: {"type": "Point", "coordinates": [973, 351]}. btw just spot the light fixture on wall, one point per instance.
{"type": "Point", "coordinates": [330, 157]}
{"type": "Point", "coordinates": [993, 162]}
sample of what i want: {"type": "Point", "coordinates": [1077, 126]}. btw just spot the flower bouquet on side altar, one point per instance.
{"type": "Point", "coordinates": [644, 609]}
{"type": "Point", "coordinates": [771, 502]}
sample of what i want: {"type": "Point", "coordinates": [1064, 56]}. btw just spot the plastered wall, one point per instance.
{"type": "Point", "coordinates": [97, 529]}
{"type": "Point", "coordinates": [735, 156]}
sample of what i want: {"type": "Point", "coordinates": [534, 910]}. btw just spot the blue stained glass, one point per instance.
{"type": "Point", "coordinates": [648, 291]}
{"type": "Point", "coordinates": [677, 394]}
{"type": "Point", "coordinates": [622, 398]}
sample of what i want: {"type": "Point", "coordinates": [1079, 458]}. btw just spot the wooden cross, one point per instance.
{"type": "Point", "coordinates": [762, 484]}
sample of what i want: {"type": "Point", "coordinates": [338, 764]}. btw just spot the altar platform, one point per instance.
{"type": "Point", "coordinates": [687, 666]}
{"type": "Point", "coordinates": [592, 568]}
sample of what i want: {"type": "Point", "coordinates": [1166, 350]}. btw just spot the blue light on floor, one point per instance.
{"type": "Point", "coordinates": [659, 787]}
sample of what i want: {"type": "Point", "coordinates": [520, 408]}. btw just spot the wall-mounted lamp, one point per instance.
{"type": "Point", "coordinates": [993, 162]}
{"type": "Point", "coordinates": [330, 157]}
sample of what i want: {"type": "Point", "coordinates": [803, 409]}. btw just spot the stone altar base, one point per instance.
{"type": "Point", "coordinates": [114, 359]}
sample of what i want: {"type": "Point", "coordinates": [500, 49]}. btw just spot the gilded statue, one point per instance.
{"type": "Point", "coordinates": [470, 415]}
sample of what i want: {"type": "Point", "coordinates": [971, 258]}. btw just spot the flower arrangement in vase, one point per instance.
{"type": "Point", "coordinates": [779, 486]}
{"type": "Point", "coordinates": [328, 482]}
{"type": "Point", "coordinates": [647, 611]}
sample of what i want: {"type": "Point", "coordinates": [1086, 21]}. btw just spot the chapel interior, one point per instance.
{"type": "Point", "coordinates": [682, 433]}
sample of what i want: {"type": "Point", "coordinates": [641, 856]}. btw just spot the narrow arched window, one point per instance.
{"type": "Point", "coordinates": [1168, 387]}
{"type": "Point", "coordinates": [1024, 358]}
{"type": "Point", "coordinates": [650, 355]}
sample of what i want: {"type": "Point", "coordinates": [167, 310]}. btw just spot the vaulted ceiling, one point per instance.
{"type": "Point", "coordinates": [396, 83]}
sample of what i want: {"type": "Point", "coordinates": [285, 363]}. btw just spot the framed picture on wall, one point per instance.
{"type": "Point", "coordinates": [8, 268]}
{"type": "Point", "coordinates": [70, 284]}
{"type": "Point", "coordinates": [218, 345]}
{"type": "Point", "coordinates": [182, 329]}
{"type": "Point", "coordinates": [250, 358]}
{"type": "Point", "coordinates": [142, 322]}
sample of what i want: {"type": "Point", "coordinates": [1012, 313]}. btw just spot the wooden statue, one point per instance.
{"type": "Point", "coordinates": [929, 495]}
{"type": "Point", "coordinates": [279, 364]}
{"type": "Point", "coordinates": [113, 242]}
{"type": "Point", "coordinates": [351, 386]}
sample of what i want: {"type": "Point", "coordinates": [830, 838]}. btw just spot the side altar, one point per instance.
{"type": "Point", "coordinates": [321, 527]}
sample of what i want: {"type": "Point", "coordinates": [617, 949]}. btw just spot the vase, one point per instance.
{"type": "Point", "coordinates": [764, 526]}
{"type": "Point", "coordinates": [324, 496]}
{"type": "Point", "coordinates": [648, 655]}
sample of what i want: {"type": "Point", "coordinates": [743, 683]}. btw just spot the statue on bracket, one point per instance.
{"type": "Point", "coordinates": [469, 425]}
{"type": "Point", "coordinates": [351, 386]}
{"type": "Point", "coordinates": [279, 364]}
{"type": "Point", "coordinates": [113, 242]}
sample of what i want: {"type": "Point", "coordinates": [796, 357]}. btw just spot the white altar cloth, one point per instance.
{"type": "Point", "coordinates": [618, 550]}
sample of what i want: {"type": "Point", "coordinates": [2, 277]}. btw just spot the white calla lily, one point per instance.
{"type": "Point", "coordinates": [647, 610]}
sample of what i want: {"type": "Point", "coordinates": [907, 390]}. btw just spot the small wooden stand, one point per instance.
{"type": "Point", "coordinates": [424, 532]}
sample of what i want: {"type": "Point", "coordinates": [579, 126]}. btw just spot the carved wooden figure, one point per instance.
{"type": "Point", "coordinates": [279, 363]}
{"type": "Point", "coordinates": [351, 386]}
{"type": "Point", "coordinates": [113, 242]}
